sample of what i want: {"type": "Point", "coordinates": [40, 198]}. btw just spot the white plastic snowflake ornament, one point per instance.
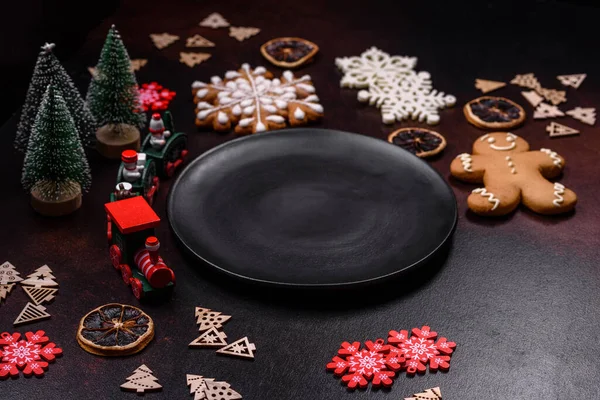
{"type": "Point", "coordinates": [255, 101]}
{"type": "Point", "coordinates": [421, 350]}
{"type": "Point", "coordinates": [29, 355]}
{"type": "Point", "coordinates": [358, 366]}
{"type": "Point", "coordinates": [391, 84]}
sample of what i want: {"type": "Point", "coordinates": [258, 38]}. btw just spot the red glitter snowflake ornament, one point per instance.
{"type": "Point", "coordinates": [358, 366]}
{"type": "Point", "coordinates": [155, 97]}
{"type": "Point", "coordinates": [27, 355]}
{"type": "Point", "coordinates": [421, 350]}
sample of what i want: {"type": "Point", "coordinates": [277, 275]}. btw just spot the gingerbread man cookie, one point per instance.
{"type": "Point", "coordinates": [512, 174]}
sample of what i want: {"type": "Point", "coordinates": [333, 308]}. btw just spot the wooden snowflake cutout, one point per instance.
{"type": "Point", "coordinates": [162, 40]}
{"type": "Point", "coordinates": [242, 33]}
{"type": "Point", "coordinates": [193, 59]}
{"type": "Point", "coordinates": [253, 101]}
{"type": "Point", "coordinates": [391, 84]}
{"type": "Point", "coordinates": [215, 21]}
{"type": "Point", "coordinates": [31, 355]}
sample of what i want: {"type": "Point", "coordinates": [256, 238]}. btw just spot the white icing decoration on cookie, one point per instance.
{"type": "Point", "coordinates": [281, 104]}
{"type": "Point", "coordinates": [484, 137]}
{"type": "Point", "coordinates": [222, 118]}
{"type": "Point", "coordinates": [315, 106]}
{"type": "Point", "coordinates": [215, 80]}
{"type": "Point", "coordinates": [306, 88]}
{"type": "Point", "coordinates": [232, 74]}
{"type": "Point", "coordinates": [246, 122]}
{"type": "Point", "coordinates": [299, 114]}
{"type": "Point", "coordinates": [198, 84]}
{"type": "Point", "coordinates": [246, 103]}
{"type": "Point", "coordinates": [201, 93]}
{"type": "Point", "coordinates": [249, 110]}
{"type": "Point", "coordinates": [270, 108]}
{"type": "Point", "coordinates": [288, 75]}
{"type": "Point", "coordinates": [490, 196]}
{"type": "Point", "coordinates": [466, 161]}
{"type": "Point", "coordinates": [554, 156]}
{"type": "Point", "coordinates": [203, 105]}
{"type": "Point", "coordinates": [559, 190]}
{"type": "Point", "coordinates": [236, 110]}
{"type": "Point", "coordinates": [203, 114]}
{"type": "Point", "coordinates": [260, 70]}
{"type": "Point", "coordinates": [260, 127]}
{"type": "Point", "coordinates": [276, 118]}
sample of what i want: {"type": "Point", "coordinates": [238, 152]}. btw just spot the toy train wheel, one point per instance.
{"type": "Point", "coordinates": [173, 154]}
{"type": "Point", "coordinates": [115, 256]}
{"type": "Point", "coordinates": [149, 189]}
{"type": "Point", "coordinates": [136, 288]}
{"type": "Point", "coordinates": [126, 273]}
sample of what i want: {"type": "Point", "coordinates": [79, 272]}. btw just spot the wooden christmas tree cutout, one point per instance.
{"type": "Point", "coordinates": [197, 384]}
{"type": "Point", "coordinates": [39, 295]}
{"type": "Point", "coordinates": [547, 111]}
{"type": "Point", "coordinates": [553, 96]}
{"type": "Point", "coordinates": [8, 274]}
{"type": "Point", "coordinates": [162, 40]}
{"type": "Point", "coordinates": [5, 290]}
{"type": "Point", "coordinates": [533, 98]}
{"type": "Point", "coordinates": [556, 129]}
{"type": "Point", "coordinates": [239, 348]}
{"type": "Point", "coordinates": [214, 20]}
{"type": "Point", "coordinates": [242, 33]}
{"type": "Point", "coordinates": [31, 313]}
{"type": "Point", "coordinates": [138, 63]}
{"type": "Point", "coordinates": [220, 391]}
{"type": "Point", "coordinates": [585, 115]}
{"type": "Point", "coordinates": [210, 338]}
{"type": "Point", "coordinates": [141, 381]}
{"type": "Point", "coordinates": [526, 80]}
{"type": "Point", "coordinates": [574, 80]}
{"type": "Point", "coordinates": [198, 41]}
{"type": "Point", "coordinates": [42, 277]}
{"type": "Point", "coordinates": [207, 319]}
{"type": "Point", "coordinates": [192, 59]}
{"type": "Point", "coordinates": [429, 394]}
{"type": "Point", "coordinates": [488, 86]}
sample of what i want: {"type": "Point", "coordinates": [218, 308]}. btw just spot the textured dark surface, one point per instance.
{"type": "Point", "coordinates": [519, 295]}
{"type": "Point", "coordinates": [311, 207]}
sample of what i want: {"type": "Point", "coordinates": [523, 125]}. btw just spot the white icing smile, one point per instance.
{"type": "Point", "coordinates": [504, 148]}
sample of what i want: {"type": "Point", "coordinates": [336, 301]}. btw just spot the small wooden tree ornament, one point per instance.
{"type": "Point", "coordinates": [210, 338]}
{"type": "Point", "coordinates": [31, 313]}
{"type": "Point", "coordinates": [239, 348]}
{"type": "Point", "coordinates": [42, 277]}
{"type": "Point", "coordinates": [547, 111]}
{"type": "Point", "coordinates": [193, 59]}
{"type": "Point", "coordinates": [555, 130]}
{"type": "Point", "coordinates": [138, 63]}
{"type": "Point", "coordinates": [574, 80]}
{"type": "Point", "coordinates": [488, 86]}
{"type": "Point", "coordinates": [585, 115]}
{"type": "Point", "coordinates": [162, 40]}
{"type": "Point", "coordinates": [207, 319]}
{"type": "Point", "coordinates": [215, 21]}
{"type": "Point", "coordinates": [5, 290]}
{"type": "Point", "coordinates": [429, 394]}
{"type": "Point", "coordinates": [8, 274]}
{"type": "Point", "coordinates": [242, 33]}
{"type": "Point", "coordinates": [197, 384]}
{"type": "Point", "coordinates": [198, 41]}
{"type": "Point", "coordinates": [533, 98]}
{"type": "Point", "coordinates": [141, 381]}
{"type": "Point", "coordinates": [220, 391]}
{"type": "Point", "coordinates": [40, 295]}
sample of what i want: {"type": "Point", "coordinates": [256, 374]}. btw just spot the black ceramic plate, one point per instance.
{"type": "Point", "coordinates": [311, 207]}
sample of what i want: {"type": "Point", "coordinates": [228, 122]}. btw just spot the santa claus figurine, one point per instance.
{"type": "Point", "coordinates": [158, 132]}
{"type": "Point", "coordinates": [131, 169]}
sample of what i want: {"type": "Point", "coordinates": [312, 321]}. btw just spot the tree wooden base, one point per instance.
{"type": "Point", "coordinates": [113, 139]}
{"type": "Point", "coordinates": [63, 206]}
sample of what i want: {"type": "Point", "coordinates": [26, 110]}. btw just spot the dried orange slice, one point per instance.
{"type": "Point", "coordinates": [115, 330]}
{"type": "Point", "coordinates": [494, 113]}
{"type": "Point", "coordinates": [289, 52]}
{"type": "Point", "coordinates": [419, 141]}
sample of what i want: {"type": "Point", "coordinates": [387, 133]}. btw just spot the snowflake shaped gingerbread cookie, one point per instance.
{"type": "Point", "coordinates": [31, 355]}
{"type": "Point", "coordinates": [391, 84]}
{"type": "Point", "coordinates": [253, 101]}
{"type": "Point", "coordinates": [512, 174]}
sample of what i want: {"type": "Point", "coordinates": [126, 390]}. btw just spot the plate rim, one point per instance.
{"type": "Point", "coordinates": [271, 283]}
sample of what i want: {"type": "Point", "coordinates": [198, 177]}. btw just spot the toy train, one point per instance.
{"type": "Point", "coordinates": [162, 153]}
{"type": "Point", "coordinates": [134, 247]}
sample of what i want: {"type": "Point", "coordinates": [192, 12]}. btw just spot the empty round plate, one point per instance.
{"type": "Point", "coordinates": [311, 207]}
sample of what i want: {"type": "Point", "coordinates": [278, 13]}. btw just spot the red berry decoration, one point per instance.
{"type": "Point", "coordinates": [155, 97]}
{"type": "Point", "coordinates": [29, 355]}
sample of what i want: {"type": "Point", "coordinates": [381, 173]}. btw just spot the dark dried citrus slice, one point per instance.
{"type": "Point", "coordinates": [494, 113]}
{"type": "Point", "coordinates": [115, 330]}
{"type": "Point", "coordinates": [289, 52]}
{"type": "Point", "coordinates": [421, 142]}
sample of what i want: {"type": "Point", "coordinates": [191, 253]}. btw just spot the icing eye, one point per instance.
{"type": "Point", "coordinates": [491, 140]}
{"type": "Point", "coordinates": [510, 138]}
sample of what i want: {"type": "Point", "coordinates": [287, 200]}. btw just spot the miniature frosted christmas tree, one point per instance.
{"type": "Point", "coordinates": [113, 98]}
{"type": "Point", "coordinates": [55, 170]}
{"type": "Point", "coordinates": [42, 277]}
{"type": "Point", "coordinates": [141, 380]}
{"type": "Point", "coordinates": [49, 70]}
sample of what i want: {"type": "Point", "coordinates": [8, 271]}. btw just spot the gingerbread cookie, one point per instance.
{"type": "Point", "coordinates": [494, 113]}
{"type": "Point", "coordinates": [512, 174]}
